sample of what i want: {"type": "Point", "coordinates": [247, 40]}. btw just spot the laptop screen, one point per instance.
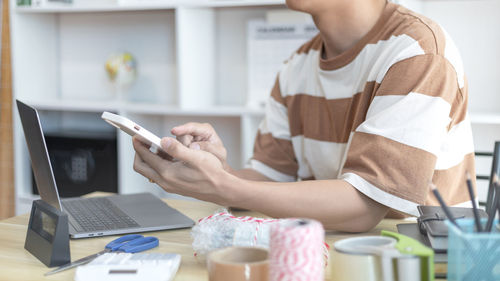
{"type": "Point", "coordinates": [40, 162]}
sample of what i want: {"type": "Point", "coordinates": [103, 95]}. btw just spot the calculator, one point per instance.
{"type": "Point", "coordinates": [125, 266]}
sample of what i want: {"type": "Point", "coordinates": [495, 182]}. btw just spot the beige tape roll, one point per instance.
{"type": "Point", "coordinates": [354, 267]}
{"type": "Point", "coordinates": [238, 264]}
{"type": "Point", "coordinates": [349, 263]}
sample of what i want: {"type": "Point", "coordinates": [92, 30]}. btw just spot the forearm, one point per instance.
{"type": "Point", "coordinates": [249, 174]}
{"type": "Point", "coordinates": [202, 175]}
{"type": "Point", "coordinates": [337, 204]}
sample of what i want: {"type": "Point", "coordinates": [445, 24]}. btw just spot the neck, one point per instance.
{"type": "Point", "coordinates": [343, 24]}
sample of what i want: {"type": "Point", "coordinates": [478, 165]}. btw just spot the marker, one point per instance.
{"type": "Point", "coordinates": [477, 220]}
{"type": "Point", "coordinates": [496, 183]}
{"type": "Point", "coordinates": [496, 198]}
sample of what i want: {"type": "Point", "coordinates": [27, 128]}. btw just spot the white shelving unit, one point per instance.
{"type": "Point", "coordinates": [80, 6]}
{"type": "Point", "coordinates": [191, 67]}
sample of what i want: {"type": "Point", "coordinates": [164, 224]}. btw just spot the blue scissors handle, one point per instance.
{"type": "Point", "coordinates": [139, 245]}
{"type": "Point", "coordinates": [132, 243]}
{"type": "Point", "coordinates": [118, 242]}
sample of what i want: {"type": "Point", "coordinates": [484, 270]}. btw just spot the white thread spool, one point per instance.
{"type": "Point", "coordinates": [296, 251]}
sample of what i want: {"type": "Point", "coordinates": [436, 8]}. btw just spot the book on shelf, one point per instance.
{"type": "Point", "coordinates": [43, 3]}
{"type": "Point", "coordinates": [150, 2]}
{"type": "Point", "coordinates": [23, 2]}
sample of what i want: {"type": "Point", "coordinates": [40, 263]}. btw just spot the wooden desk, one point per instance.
{"type": "Point", "coordinates": [18, 264]}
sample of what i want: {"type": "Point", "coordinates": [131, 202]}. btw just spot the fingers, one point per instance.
{"type": "Point", "coordinates": [164, 155]}
{"type": "Point", "coordinates": [144, 169]}
{"type": "Point", "coordinates": [171, 146]}
{"type": "Point", "coordinates": [152, 159]}
{"type": "Point", "coordinates": [185, 139]}
{"type": "Point", "coordinates": [217, 150]}
{"type": "Point", "coordinates": [178, 151]}
{"type": "Point", "coordinates": [200, 131]}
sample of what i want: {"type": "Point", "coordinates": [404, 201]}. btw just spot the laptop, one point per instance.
{"type": "Point", "coordinates": [99, 216]}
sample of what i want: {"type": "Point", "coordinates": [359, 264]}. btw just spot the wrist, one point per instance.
{"type": "Point", "coordinates": [232, 190]}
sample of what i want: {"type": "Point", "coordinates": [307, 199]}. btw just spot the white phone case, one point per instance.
{"type": "Point", "coordinates": [131, 128]}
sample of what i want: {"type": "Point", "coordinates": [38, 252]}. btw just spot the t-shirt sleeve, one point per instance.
{"type": "Point", "coordinates": [273, 154]}
{"type": "Point", "coordinates": [392, 155]}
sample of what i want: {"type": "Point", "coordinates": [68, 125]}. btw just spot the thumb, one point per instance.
{"type": "Point", "coordinates": [177, 150]}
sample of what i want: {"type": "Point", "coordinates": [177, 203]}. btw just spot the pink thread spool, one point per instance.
{"type": "Point", "coordinates": [296, 251]}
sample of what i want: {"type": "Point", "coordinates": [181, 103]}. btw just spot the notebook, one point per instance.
{"type": "Point", "coordinates": [90, 217]}
{"type": "Point", "coordinates": [431, 223]}
{"type": "Point", "coordinates": [440, 258]}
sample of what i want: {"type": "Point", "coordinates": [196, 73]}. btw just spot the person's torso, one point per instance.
{"type": "Point", "coordinates": [327, 100]}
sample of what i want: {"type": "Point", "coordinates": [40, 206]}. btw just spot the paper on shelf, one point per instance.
{"type": "Point", "coordinates": [268, 46]}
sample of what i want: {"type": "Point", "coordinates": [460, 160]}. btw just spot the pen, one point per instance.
{"type": "Point", "coordinates": [443, 205]}
{"type": "Point", "coordinates": [496, 184]}
{"type": "Point", "coordinates": [496, 197]}
{"type": "Point", "coordinates": [477, 220]}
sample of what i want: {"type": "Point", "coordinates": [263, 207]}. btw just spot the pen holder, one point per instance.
{"type": "Point", "coordinates": [473, 255]}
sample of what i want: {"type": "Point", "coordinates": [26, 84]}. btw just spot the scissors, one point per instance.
{"type": "Point", "coordinates": [132, 243]}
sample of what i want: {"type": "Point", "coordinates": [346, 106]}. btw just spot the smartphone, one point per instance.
{"type": "Point", "coordinates": [131, 128]}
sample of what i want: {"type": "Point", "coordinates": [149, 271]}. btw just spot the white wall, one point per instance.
{"type": "Point", "coordinates": [473, 25]}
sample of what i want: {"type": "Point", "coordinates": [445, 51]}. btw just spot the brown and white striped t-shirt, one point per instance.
{"type": "Point", "coordinates": [387, 115]}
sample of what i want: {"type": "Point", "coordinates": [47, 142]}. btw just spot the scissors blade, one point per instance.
{"type": "Point", "coordinates": [77, 262]}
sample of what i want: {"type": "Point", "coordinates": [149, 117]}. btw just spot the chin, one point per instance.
{"type": "Point", "coordinates": [296, 5]}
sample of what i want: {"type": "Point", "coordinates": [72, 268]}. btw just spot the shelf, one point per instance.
{"type": "Point", "coordinates": [112, 6]}
{"type": "Point", "coordinates": [145, 108]}
{"type": "Point", "coordinates": [78, 106]}
{"type": "Point", "coordinates": [213, 111]}
{"type": "Point", "coordinates": [183, 48]}
{"type": "Point", "coordinates": [486, 118]}
{"type": "Point", "coordinates": [492, 118]}
{"type": "Point", "coordinates": [104, 7]}
{"type": "Point", "coordinates": [27, 197]}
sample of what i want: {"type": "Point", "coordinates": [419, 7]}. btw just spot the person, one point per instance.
{"type": "Point", "coordinates": [360, 120]}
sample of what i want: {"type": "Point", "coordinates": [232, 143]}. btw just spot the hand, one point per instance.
{"type": "Point", "coordinates": [202, 136]}
{"type": "Point", "coordinates": [196, 173]}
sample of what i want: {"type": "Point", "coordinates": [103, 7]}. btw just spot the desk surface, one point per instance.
{"type": "Point", "coordinates": [18, 264]}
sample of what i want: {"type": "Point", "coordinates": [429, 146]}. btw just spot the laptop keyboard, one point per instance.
{"type": "Point", "coordinates": [95, 214]}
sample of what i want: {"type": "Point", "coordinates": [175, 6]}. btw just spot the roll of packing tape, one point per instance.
{"type": "Point", "coordinates": [238, 264]}
{"type": "Point", "coordinates": [296, 250]}
{"type": "Point", "coordinates": [350, 262]}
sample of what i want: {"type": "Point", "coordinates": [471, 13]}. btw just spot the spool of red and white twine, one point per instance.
{"type": "Point", "coordinates": [296, 250]}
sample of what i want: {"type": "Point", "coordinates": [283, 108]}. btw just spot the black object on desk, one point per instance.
{"type": "Point", "coordinates": [440, 258]}
{"type": "Point", "coordinates": [47, 237]}
{"type": "Point", "coordinates": [431, 223]}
